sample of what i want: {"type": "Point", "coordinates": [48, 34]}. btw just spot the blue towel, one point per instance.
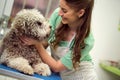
{"type": "Point", "coordinates": [4, 68]}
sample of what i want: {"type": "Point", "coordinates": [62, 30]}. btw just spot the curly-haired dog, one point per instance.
{"type": "Point", "coordinates": [17, 55]}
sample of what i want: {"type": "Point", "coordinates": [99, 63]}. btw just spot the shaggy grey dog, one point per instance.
{"type": "Point", "coordinates": [17, 55]}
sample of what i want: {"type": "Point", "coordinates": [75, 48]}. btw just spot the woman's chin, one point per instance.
{"type": "Point", "coordinates": [64, 22]}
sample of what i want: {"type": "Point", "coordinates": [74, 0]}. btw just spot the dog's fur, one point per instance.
{"type": "Point", "coordinates": [17, 55]}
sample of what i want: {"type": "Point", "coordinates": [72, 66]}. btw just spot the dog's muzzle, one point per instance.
{"type": "Point", "coordinates": [48, 31]}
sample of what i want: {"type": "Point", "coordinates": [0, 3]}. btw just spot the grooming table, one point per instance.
{"type": "Point", "coordinates": [4, 70]}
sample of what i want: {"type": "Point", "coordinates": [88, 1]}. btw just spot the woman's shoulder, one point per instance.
{"type": "Point", "coordinates": [54, 21]}
{"type": "Point", "coordinates": [89, 41]}
{"type": "Point", "coordinates": [55, 18]}
{"type": "Point", "coordinates": [55, 15]}
{"type": "Point", "coordinates": [89, 38]}
{"type": "Point", "coordinates": [57, 10]}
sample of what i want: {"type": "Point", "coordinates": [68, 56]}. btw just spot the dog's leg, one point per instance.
{"type": "Point", "coordinates": [21, 64]}
{"type": "Point", "coordinates": [43, 69]}
{"type": "Point", "coordinates": [4, 57]}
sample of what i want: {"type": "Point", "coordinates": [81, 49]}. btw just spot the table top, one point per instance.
{"type": "Point", "coordinates": [4, 70]}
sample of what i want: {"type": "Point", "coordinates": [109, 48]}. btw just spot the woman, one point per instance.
{"type": "Point", "coordinates": [70, 41]}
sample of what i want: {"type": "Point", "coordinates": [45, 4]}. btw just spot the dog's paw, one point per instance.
{"type": "Point", "coordinates": [22, 65]}
{"type": "Point", "coordinates": [42, 69]}
{"type": "Point", "coordinates": [27, 69]}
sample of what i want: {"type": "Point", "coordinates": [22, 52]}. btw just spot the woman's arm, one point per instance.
{"type": "Point", "coordinates": [45, 44]}
{"type": "Point", "coordinates": [56, 66]}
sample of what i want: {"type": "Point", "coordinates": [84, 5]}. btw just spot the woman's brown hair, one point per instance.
{"type": "Point", "coordinates": [82, 31]}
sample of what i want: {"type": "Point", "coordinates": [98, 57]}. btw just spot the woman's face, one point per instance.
{"type": "Point", "coordinates": [69, 16]}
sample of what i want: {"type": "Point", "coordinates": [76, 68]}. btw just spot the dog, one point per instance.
{"type": "Point", "coordinates": [17, 55]}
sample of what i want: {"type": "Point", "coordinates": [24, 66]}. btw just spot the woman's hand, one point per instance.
{"type": "Point", "coordinates": [29, 41]}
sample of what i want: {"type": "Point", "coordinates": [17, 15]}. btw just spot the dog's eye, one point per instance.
{"type": "Point", "coordinates": [39, 23]}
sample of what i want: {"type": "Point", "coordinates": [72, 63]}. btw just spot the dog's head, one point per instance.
{"type": "Point", "coordinates": [31, 23]}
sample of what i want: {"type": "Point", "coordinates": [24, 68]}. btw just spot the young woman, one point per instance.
{"type": "Point", "coordinates": [70, 41]}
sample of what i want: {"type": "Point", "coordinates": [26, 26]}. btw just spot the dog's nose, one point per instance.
{"type": "Point", "coordinates": [50, 27]}
{"type": "Point", "coordinates": [48, 31]}
{"type": "Point", "coordinates": [48, 35]}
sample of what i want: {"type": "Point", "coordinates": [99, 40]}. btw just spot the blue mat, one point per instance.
{"type": "Point", "coordinates": [14, 73]}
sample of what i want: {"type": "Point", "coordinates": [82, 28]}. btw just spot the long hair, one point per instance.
{"type": "Point", "coordinates": [82, 31]}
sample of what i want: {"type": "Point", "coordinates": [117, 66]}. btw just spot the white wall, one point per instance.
{"type": "Point", "coordinates": [105, 22]}
{"type": "Point", "coordinates": [2, 3]}
{"type": "Point", "coordinates": [6, 7]}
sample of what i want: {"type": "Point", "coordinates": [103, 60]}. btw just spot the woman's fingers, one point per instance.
{"type": "Point", "coordinates": [27, 41]}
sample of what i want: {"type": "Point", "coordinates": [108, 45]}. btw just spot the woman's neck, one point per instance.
{"type": "Point", "coordinates": [74, 26]}
{"type": "Point", "coordinates": [69, 35]}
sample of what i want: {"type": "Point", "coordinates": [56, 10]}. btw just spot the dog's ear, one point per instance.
{"type": "Point", "coordinates": [20, 29]}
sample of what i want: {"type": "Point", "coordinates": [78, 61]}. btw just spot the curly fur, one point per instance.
{"type": "Point", "coordinates": [14, 53]}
